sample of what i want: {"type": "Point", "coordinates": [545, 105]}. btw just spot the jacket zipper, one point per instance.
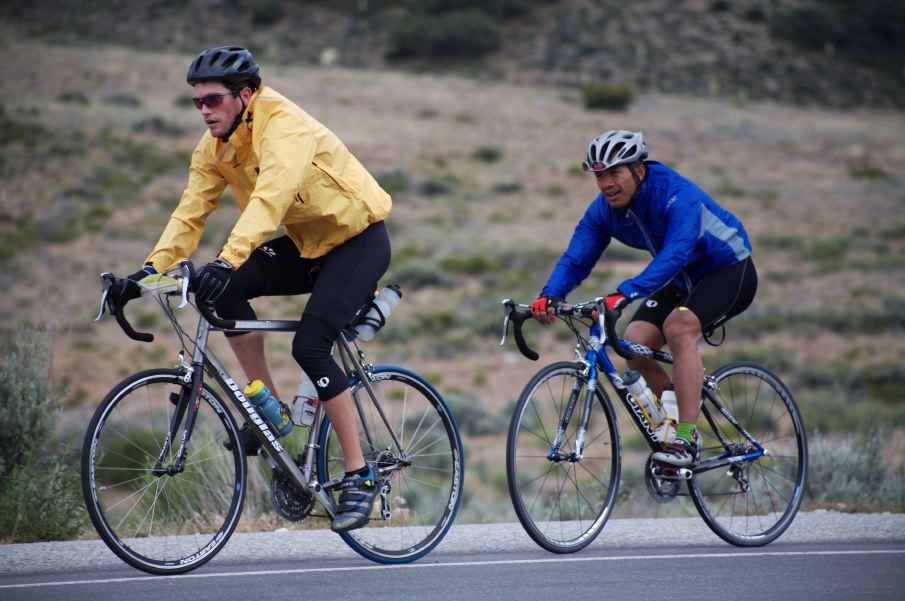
{"type": "Point", "coordinates": [650, 245]}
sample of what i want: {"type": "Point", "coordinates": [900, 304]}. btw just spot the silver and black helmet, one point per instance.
{"type": "Point", "coordinates": [615, 147]}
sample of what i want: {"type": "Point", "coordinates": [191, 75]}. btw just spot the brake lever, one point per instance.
{"type": "Point", "coordinates": [187, 269]}
{"type": "Point", "coordinates": [107, 279]}
{"type": "Point", "coordinates": [508, 307]}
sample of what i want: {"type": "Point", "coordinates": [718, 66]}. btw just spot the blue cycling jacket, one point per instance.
{"type": "Point", "coordinates": [686, 231]}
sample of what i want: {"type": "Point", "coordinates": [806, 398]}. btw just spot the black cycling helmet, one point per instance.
{"type": "Point", "coordinates": [229, 64]}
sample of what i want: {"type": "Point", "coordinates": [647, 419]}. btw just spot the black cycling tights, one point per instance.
{"type": "Point", "coordinates": [340, 282]}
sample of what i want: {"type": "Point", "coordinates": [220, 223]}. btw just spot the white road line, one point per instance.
{"type": "Point", "coordinates": [460, 564]}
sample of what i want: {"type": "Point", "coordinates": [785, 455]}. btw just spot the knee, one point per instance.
{"type": "Point", "coordinates": [308, 355]}
{"type": "Point", "coordinates": [682, 328]}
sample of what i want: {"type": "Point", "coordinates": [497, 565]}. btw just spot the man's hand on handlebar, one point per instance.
{"type": "Point", "coordinates": [544, 308]}
{"type": "Point", "coordinates": [130, 289]}
{"type": "Point", "coordinates": [211, 280]}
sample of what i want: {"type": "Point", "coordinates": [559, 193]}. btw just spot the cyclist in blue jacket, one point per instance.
{"type": "Point", "coordinates": [700, 276]}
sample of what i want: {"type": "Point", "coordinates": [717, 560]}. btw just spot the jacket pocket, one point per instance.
{"type": "Point", "coordinates": [328, 171]}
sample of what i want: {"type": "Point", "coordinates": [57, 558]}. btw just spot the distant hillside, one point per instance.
{"type": "Point", "coordinates": [835, 53]}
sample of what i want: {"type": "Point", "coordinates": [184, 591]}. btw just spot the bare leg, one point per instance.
{"type": "Point", "coordinates": [344, 418]}
{"type": "Point", "coordinates": [249, 350]}
{"type": "Point", "coordinates": [683, 332]}
{"type": "Point", "coordinates": [648, 334]}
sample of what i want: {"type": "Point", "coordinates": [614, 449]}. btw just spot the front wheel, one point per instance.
{"type": "Point", "coordinates": [420, 480]}
{"type": "Point", "coordinates": [159, 521]}
{"type": "Point", "coordinates": [750, 502]}
{"type": "Point", "coordinates": [562, 501]}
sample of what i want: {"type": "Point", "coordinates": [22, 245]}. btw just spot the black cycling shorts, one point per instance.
{"type": "Point", "coordinates": [717, 297]}
{"type": "Point", "coordinates": [339, 282]}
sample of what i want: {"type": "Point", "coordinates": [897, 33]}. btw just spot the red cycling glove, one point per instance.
{"type": "Point", "coordinates": [616, 301]}
{"type": "Point", "coordinates": [541, 305]}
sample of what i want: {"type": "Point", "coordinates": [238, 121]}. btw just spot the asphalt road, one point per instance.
{"type": "Point", "coordinates": [823, 555]}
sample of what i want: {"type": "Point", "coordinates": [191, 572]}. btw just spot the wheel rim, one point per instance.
{"type": "Point", "coordinates": [170, 523]}
{"type": "Point", "coordinates": [563, 505]}
{"type": "Point", "coordinates": [774, 481]}
{"type": "Point", "coordinates": [423, 484]}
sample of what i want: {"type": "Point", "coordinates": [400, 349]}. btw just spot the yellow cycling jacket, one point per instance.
{"type": "Point", "coordinates": [285, 169]}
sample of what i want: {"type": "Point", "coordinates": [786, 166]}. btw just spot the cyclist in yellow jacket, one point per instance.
{"type": "Point", "coordinates": [286, 171]}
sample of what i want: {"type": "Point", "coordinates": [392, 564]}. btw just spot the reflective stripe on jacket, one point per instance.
{"type": "Point", "coordinates": [686, 231]}
{"type": "Point", "coordinates": [285, 169]}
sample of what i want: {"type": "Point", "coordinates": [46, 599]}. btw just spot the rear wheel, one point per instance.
{"type": "Point", "coordinates": [163, 522]}
{"type": "Point", "coordinates": [750, 502]}
{"type": "Point", "coordinates": [564, 502]}
{"type": "Point", "coordinates": [420, 481]}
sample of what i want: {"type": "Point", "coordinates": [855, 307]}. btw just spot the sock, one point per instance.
{"type": "Point", "coordinates": [360, 472]}
{"type": "Point", "coordinates": [686, 432]}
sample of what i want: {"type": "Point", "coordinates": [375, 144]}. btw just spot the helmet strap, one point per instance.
{"type": "Point", "coordinates": [225, 137]}
{"type": "Point", "coordinates": [638, 182]}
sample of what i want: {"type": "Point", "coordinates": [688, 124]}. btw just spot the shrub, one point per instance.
{"type": "Point", "coordinates": [607, 96]}
{"type": "Point", "coordinates": [26, 415]}
{"type": "Point", "coordinates": [436, 187]}
{"type": "Point", "coordinates": [866, 170]}
{"type": "Point", "coordinates": [122, 100]}
{"type": "Point", "coordinates": [853, 472]}
{"type": "Point", "coordinates": [40, 497]}
{"type": "Point", "coordinates": [266, 12]}
{"type": "Point", "coordinates": [487, 154]}
{"type": "Point", "coordinates": [41, 501]}
{"type": "Point", "coordinates": [871, 33]}
{"type": "Point", "coordinates": [395, 181]}
{"type": "Point", "coordinates": [473, 418]}
{"type": "Point", "coordinates": [477, 264]}
{"type": "Point", "coordinates": [457, 34]}
{"type": "Point", "coordinates": [73, 97]}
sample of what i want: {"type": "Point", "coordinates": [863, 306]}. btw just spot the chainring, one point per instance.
{"type": "Point", "coordinates": [289, 503]}
{"type": "Point", "coordinates": [662, 490]}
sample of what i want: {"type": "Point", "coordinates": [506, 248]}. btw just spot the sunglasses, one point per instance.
{"type": "Point", "coordinates": [594, 166]}
{"type": "Point", "coordinates": [210, 101]}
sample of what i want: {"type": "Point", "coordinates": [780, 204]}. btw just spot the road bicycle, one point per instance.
{"type": "Point", "coordinates": [164, 469]}
{"type": "Point", "coordinates": [563, 453]}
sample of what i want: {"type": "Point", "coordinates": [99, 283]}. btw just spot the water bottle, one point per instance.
{"type": "Point", "coordinates": [667, 429]}
{"type": "Point", "coordinates": [305, 404]}
{"type": "Point", "coordinates": [381, 307]}
{"type": "Point", "coordinates": [643, 395]}
{"type": "Point", "coordinates": [275, 412]}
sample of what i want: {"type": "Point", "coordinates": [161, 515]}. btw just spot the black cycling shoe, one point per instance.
{"type": "Point", "coordinates": [249, 441]}
{"type": "Point", "coordinates": [357, 494]}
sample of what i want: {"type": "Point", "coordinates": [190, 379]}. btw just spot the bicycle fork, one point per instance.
{"type": "Point", "coordinates": [558, 456]}
{"type": "Point", "coordinates": [189, 395]}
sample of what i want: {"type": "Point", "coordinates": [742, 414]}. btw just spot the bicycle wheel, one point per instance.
{"type": "Point", "coordinates": [563, 505]}
{"type": "Point", "coordinates": [171, 523]}
{"type": "Point", "coordinates": [421, 482]}
{"type": "Point", "coordinates": [751, 503]}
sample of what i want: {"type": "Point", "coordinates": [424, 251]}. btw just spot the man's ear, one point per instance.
{"type": "Point", "coordinates": [641, 170]}
{"type": "Point", "coordinates": [246, 94]}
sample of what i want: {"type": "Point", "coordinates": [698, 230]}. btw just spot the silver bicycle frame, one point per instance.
{"type": "Point", "coordinates": [206, 356]}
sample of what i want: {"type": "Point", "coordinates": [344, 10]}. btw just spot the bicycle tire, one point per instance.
{"type": "Point", "coordinates": [424, 496]}
{"type": "Point", "coordinates": [173, 523]}
{"type": "Point", "coordinates": [763, 405]}
{"type": "Point", "coordinates": [562, 505]}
